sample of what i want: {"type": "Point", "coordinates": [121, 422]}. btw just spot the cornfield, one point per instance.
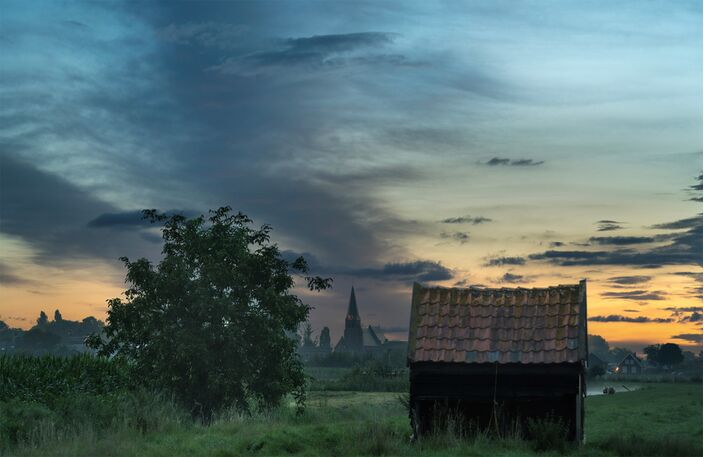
{"type": "Point", "coordinates": [43, 378]}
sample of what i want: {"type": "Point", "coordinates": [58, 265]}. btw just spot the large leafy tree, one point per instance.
{"type": "Point", "coordinates": [668, 354]}
{"type": "Point", "coordinates": [213, 321]}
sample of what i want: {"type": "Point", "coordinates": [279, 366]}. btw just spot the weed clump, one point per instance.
{"type": "Point", "coordinates": [547, 433]}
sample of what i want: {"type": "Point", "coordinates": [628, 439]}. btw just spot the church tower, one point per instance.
{"type": "Point", "coordinates": [353, 326]}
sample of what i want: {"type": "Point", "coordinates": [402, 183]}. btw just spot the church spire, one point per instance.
{"type": "Point", "coordinates": [352, 312]}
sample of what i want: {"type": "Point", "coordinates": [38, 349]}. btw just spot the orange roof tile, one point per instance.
{"type": "Point", "coordinates": [477, 325]}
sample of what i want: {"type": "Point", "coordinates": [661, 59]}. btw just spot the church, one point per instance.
{"type": "Point", "coordinates": [357, 339]}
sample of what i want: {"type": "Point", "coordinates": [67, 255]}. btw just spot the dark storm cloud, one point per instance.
{"type": "Point", "coordinates": [682, 309]}
{"type": "Point", "coordinates": [638, 295]}
{"type": "Point", "coordinates": [635, 320]}
{"type": "Point", "coordinates": [691, 222]}
{"type": "Point", "coordinates": [126, 219]}
{"type": "Point", "coordinates": [466, 220]}
{"type": "Point", "coordinates": [626, 280]}
{"type": "Point", "coordinates": [498, 161]}
{"type": "Point", "coordinates": [695, 191]}
{"type": "Point", "coordinates": [60, 230]}
{"type": "Point", "coordinates": [512, 278]}
{"type": "Point", "coordinates": [621, 240]}
{"type": "Point", "coordinates": [631, 311]}
{"type": "Point", "coordinates": [556, 244]}
{"type": "Point", "coordinates": [460, 237]}
{"type": "Point", "coordinates": [693, 337]}
{"type": "Point", "coordinates": [499, 261]}
{"type": "Point", "coordinates": [684, 248]}
{"type": "Point", "coordinates": [9, 278]}
{"type": "Point", "coordinates": [695, 292]}
{"type": "Point", "coordinates": [690, 274]}
{"type": "Point", "coordinates": [608, 225]}
{"type": "Point", "coordinates": [420, 270]}
{"type": "Point", "coordinates": [693, 317]}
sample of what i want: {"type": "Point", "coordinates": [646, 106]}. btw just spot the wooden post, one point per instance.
{"type": "Point", "coordinates": [578, 429]}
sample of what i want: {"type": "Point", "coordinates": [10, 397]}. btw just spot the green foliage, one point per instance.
{"type": "Point", "coordinates": [547, 433]}
{"type": "Point", "coordinates": [38, 340]}
{"type": "Point", "coordinates": [599, 346]}
{"type": "Point", "coordinates": [48, 397]}
{"type": "Point", "coordinates": [596, 370]}
{"type": "Point", "coordinates": [373, 376]}
{"type": "Point", "coordinates": [31, 423]}
{"type": "Point", "coordinates": [212, 321]}
{"type": "Point", "coordinates": [661, 420]}
{"type": "Point", "coordinates": [667, 354]}
{"type": "Point", "coordinates": [634, 445]}
{"type": "Point", "coordinates": [47, 378]}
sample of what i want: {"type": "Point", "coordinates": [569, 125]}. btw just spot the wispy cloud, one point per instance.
{"type": "Point", "coordinates": [316, 52]}
{"type": "Point", "coordinates": [499, 161]}
{"type": "Point", "coordinates": [460, 237]}
{"type": "Point", "coordinates": [637, 295]}
{"type": "Point", "coordinates": [208, 34]}
{"type": "Point", "coordinates": [683, 248]}
{"type": "Point", "coordinates": [621, 240]}
{"type": "Point", "coordinates": [634, 320]}
{"type": "Point", "coordinates": [627, 280]}
{"type": "Point", "coordinates": [500, 261]}
{"type": "Point", "coordinates": [692, 337]}
{"type": "Point", "coordinates": [466, 220]}
{"type": "Point", "coordinates": [608, 225]}
{"type": "Point", "coordinates": [512, 278]}
{"type": "Point", "coordinates": [419, 270]}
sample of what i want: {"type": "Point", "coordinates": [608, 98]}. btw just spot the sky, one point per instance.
{"type": "Point", "coordinates": [500, 144]}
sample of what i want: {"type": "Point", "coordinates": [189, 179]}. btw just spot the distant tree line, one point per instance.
{"type": "Point", "coordinates": [665, 356]}
{"type": "Point", "coordinates": [56, 337]}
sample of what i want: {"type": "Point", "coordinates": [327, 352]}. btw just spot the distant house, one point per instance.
{"type": "Point", "coordinates": [596, 361]}
{"type": "Point", "coordinates": [310, 350]}
{"type": "Point", "coordinates": [630, 365]}
{"type": "Point", "coordinates": [498, 355]}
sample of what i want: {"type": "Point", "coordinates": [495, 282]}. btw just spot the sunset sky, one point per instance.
{"type": "Point", "coordinates": [504, 144]}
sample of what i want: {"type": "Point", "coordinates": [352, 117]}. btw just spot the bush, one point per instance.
{"type": "Point", "coordinates": [547, 434]}
{"type": "Point", "coordinates": [31, 423]}
{"type": "Point", "coordinates": [43, 379]}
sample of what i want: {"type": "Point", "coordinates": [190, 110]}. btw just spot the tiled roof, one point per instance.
{"type": "Point", "coordinates": [477, 325]}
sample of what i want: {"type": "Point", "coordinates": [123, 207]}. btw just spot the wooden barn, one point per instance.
{"type": "Point", "coordinates": [494, 358]}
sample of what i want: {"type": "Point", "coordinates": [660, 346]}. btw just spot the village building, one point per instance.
{"type": "Point", "coordinates": [310, 349]}
{"type": "Point", "coordinates": [596, 361]}
{"type": "Point", "coordinates": [630, 365]}
{"type": "Point", "coordinates": [497, 357]}
{"type": "Point", "coordinates": [358, 339]}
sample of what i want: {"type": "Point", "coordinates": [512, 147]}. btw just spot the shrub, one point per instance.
{"type": "Point", "coordinates": [547, 433]}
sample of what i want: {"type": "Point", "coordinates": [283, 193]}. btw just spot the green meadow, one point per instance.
{"type": "Point", "coordinates": [657, 420]}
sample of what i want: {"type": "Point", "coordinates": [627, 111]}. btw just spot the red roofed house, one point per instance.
{"type": "Point", "coordinates": [498, 356]}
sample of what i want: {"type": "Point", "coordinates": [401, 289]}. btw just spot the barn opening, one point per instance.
{"type": "Point", "coordinates": [498, 360]}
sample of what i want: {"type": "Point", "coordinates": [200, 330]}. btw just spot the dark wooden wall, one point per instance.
{"type": "Point", "coordinates": [470, 392]}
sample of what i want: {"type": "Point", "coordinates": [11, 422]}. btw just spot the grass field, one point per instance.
{"type": "Point", "coordinates": [659, 420]}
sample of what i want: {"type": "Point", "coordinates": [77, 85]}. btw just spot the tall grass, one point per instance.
{"type": "Point", "coordinates": [45, 379]}
{"type": "Point", "coordinates": [50, 398]}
